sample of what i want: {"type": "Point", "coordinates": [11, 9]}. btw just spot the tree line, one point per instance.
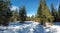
{"type": "Point", "coordinates": [43, 13]}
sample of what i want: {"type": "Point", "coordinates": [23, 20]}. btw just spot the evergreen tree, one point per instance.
{"type": "Point", "coordinates": [54, 12]}
{"type": "Point", "coordinates": [5, 12]}
{"type": "Point", "coordinates": [59, 11]}
{"type": "Point", "coordinates": [39, 11]}
{"type": "Point", "coordinates": [43, 13]}
{"type": "Point", "coordinates": [28, 18]}
{"type": "Point", "coordinates": [32, 18]}
{"type": "Point", "coordinates": [22, 14]}
{"type": "Point", "coordinates": [46, 12]}
{"type": "Point", "coordinates": [52, 9]}
{"type": "Point", "coordinates": [15, 15]}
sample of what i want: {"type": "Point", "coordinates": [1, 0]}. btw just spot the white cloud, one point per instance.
{"type": "Point", "coordinates": [14, 8]}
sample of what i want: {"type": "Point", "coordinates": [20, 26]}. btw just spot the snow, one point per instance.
{"type": "Point", "coordinates": [29, 27]}
{"type": "Point", "coordinates": [53, 29]}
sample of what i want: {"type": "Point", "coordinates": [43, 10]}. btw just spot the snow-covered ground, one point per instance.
{"type": "Point", "coordinates": [29, 27]}
{"type": "Point", "coordinates": [54, 28]}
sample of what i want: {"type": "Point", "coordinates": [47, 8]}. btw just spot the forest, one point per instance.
{"type": "Point", "coordinates": [43, 14]}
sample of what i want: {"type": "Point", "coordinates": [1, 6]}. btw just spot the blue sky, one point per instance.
{"type": "Point", "coordinates": [32, 5]}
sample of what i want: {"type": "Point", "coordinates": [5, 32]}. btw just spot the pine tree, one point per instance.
{"type": "Point", "coordinates": [5, 12]}
{"type": "Point", "coordinates": [43, 13]}
{"type": "Point", "coordinates": [22, 14]}
{"type": "Point", "coordinates": [28, 18]}
{"type": "Point", "coordinates": [59, 11]}
{"type": "Point", "coordinates": [52, 9]}
{"type": "Point", "coordinates": [39, 11]}
{"type": "Point", "coordinates": [32, 18]}
{"type": "Point", "coordinates": [15, 15]}
{"type": "Point", "coordinates": [54, 12]}
{"type": "Point", "coordinates": [46, 12]}
{"type": "Point", "coordinates": [12, 17]}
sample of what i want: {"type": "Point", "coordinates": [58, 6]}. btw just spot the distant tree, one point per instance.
{"type": "Point", "coordinates": [28, 18]}
{"type": "Point", "coordinates": [58, 18]}
{"type": "Point", "coordinates": [18, 18]}
{"type": "Point", "coordinates": [32, 18]}
{"type": "Point", "coordinates": [14, 15]}
{"type": "Point", "coordinates": [59, 11]}
{"type": "Point", "coordinates": [5, 12]}
{"type": "Point", "coordinates": [22, 14]}
{"type": "Point", "coordinates": [54, 12]}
